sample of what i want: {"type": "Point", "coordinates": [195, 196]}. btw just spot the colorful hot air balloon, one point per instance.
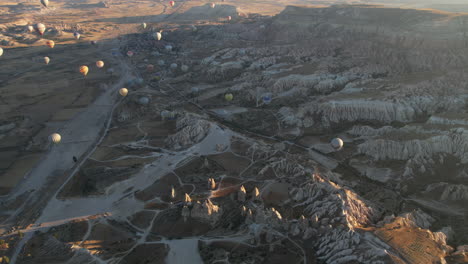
{"type": "Point", "coordinates": [76, 35]}
{"type": "Point", "coordinates": [212, 5]}
{"type": "Point", "coordinates": [143, 25]}
{"type": "Point", "coordinates": [30, 29]}
{"type": "Point", "coordinates": [45, 2]}
{"type": "Point", "coordinates": [123, 91]}
{"type": "Point", "coordinates": [46, 60]}
{"type": "Point", "coordinates": [1, 52]}
{"type": "Point", "coordinates": [40, 28]}
{"type": "Point", "coordinates": [229, 18]}
{"type": "Point", "coordinates": [228, 97]}
{"type": "Point", "coordinates": [172, 3]}
{"type": "Point", "coordinates": [50, 43]}
{"type": "Point", "coordinates": [130, 53]}
{"type": "Point", "coordinates": [55, 138]}
{"type": "Point", "coordinates": [84, 70]}
{"type": "Point", "coordinates": [337, 143]}
{"type": "Point", "coordinates": [99, 64]}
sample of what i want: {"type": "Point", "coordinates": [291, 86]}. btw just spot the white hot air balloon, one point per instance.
{"type": "Point", "coordinates": [143, 25]}
{"type": "Point", "coordinates": [1, 51]}
{"type": "Point", "coordinates": [55, 138]}
{"type": "Point", "coordinates": [157, 36]}
{"type": "Point", "coordinates": [173, 66]}
{"type": "Point", "coordinates": [40, 28]}
{"type": "Point", "coordinates": [337, 143]}
{"type": "Point", "coordinates": [212, 5]}
{"type": "Point", "coordinates": [46, 60]}
{"type": "Point", "coordinates": [45, 2]}
{"type": "Point", "coordinates": [184, 68]}
{"type": "Point", "coordinates": [30, 29]}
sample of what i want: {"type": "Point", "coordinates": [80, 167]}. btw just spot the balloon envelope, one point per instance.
{"type": "Point", "coordinates": [99, 64]}
{"type": "Point", "coordinates": [228, 97]}
{"type": "Point", "coordinates": [158, 36]}
{"type": "Point", "coordinates": [149, 67]}
{"type": "Point", "coordinates": [212, 5]}
{"type": "Point", "coordinates": [1, 51]}
{"type": "Point", "coordinates": [76, 35]}
{"type": "Point", "coordinates": [50, 43]}
{"type": "Point", "coordinates": [143, 25]}
{"type": "Point", "coordinates": [55, 138]}
{"type": "Point", "coordinates": [229, 18]}
{"type": "Point", "coordinates": [172, 3]}
{"type": "Point", "coordinates": [30, 29]}
{"type": "Point", "coordinates": [143, 100]}
{"type": "Point", "coordinates": [130, 53]}
{"type": "Point", "coordinates": [266, 98]}
{"type": "Point", "coordinates": [173, 66]}
{"type": "Point", "coordinates": [46, 60]}
{"type": "Point", "coordinates": [123, 91]}
{"type": "Point", "coordinates": [337, 143]}
{"type": "Point", "coordinates": [184, 68]}
{"type": "Point", "coordinates": [45, 2]}
{"type": "Point", "coordinates": [40, 28]}
{"type": "Point", "coordinates": [84, 70]}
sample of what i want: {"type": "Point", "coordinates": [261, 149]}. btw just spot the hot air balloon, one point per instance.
{"type": "Point", "coordinates": [161, 62]}
{"type": "Point", "coordinates": [1, 51]}
{"type": "Point", "coordinates": [149, 67]}
{"type": "Point", "coordinates": [55, 138]}
{"type": "Point", "coordinates": [30, 29]}
{"type": "Point", "coordinates": [172, 3]}
{"type": "Point", "coordinates": [173, 66]}
{"type": "Point", "coordinates": [143, 25]}
{"type": "Point", "coordinates": [84, 70]}
{"type": "Point", "coordinates": [76, 35]}
{"type": "Point", "coordinates": [40, 28]}
{"type": "Point", "coordinates": [143, 100]}
{"type": "Point", "coordinates": [337, 143]}
{"type": "Point", "coordinates": [46, 60]}
{"type": "Point", "coordinates": [157, 36]}
{"type": "Point", "coordinates": [45, 3]}
{"type": "Point", "coordinates": [229, 18]}
{"type": "Point", "coordinates": [212, 5]}
{"type": "Point", "coordinates": [184, 68]}
{"type": "Point", "coordinates": [93, 42]}
{"type": "Point", "coordinates": [123, 92]}
{"type": "Point", "coordinates": [228, 97]}
{"type": "Point", "coordinates": [50, 43]}
{"type": "Point", "coordinates": [130, 53]}
{"type": "Point", "coordinates": [266, 98]}
{"type": "Point", "coordinates": [99, 64]}
{"type": "Point", "coordinates": [194, 28]}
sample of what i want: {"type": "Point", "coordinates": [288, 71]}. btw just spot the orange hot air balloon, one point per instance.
{"type": "Point", "coordinates": [172, 3]}
{"type": "Point", "coordinates": [84, 70]}
{"type": "Point", "coordinates": [50, 43]}
{"type": "Point", "coordinates": [99, 64]}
